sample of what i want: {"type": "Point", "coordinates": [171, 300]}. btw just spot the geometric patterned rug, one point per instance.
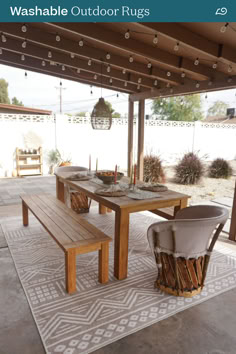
{"type": "Point", "coordinates": [98, 314]}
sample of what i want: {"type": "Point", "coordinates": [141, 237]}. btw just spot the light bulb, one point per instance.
{"type": "Point", "coordinates": [108, 56]}
{"type": "Point", "coordinates": [230, 69]}
{"type": "Point", "coordinates": [26, 75]}
{"type": "Point", "coordinates": [81, 42]}
{"type": "Point", "coordinates": [131, 59]}
{"type": "Point", "coordinates": [24, 44]}
{"type": "Point", "coordinates": [138, 87]}
{"type": "Point", "coordinates": [183, 74]}
{"type": "Point", "coordinates": [124, 71]}
{"type": "Point", "coordinates": [140, 80]}
{"type": "Point", "coordinates": [78, 71]}
{"type": "Point", "coordinates": [108, 68]}
{"type": "Point", "coordinates": [24, 28]}
{"type": "Point", "coordinates": [58, 38]}
{"type": "Point", "coordinates": [63, 68]}
{"type": "Point", "coordinates": [214, 66]}
{"type": "Point", "coordinates": [4, 39]}
{"type": "Point", "coordinates": [72, 55]}
{"type": "Point", "coordinates": [224, 28]}
{"type": "Point", "coordinates": [43, 63]}
{"type": "Point", "coordinates": [197, 85]}
{"type": "Point", "coordinates": [0, 50]}
{"type": "Point", "coordinates": [22, 57]}
{"type": "Point", "coordinates": [206, 96]}
{"type": "Point", "coordinates": [89, 62]}
{"type": "Point", "coordinates": [155, 82]}
{"type": "Point", "coordinates": [110, 80]}
{"type": "Point", "coordinates": [176, 47]}
{"type": "Point", "coordinates": [196, 62]}
{"type": "Point", "coordinates": [168, 84]}
{"type": "Point", "coordinates": [117, 95]}
{"type": "Point", "coordinates": [127, 34]}
{"type": "Point", "coordinates": [49, 54]}
{"type": "Point", "coordinates": [149, 65]}
{"type": "Point", "coordinates": [229, 79]}
{"type": "Point", "coordinates": [60, 83]}
{"type": "Point", "coordinates": [168, 73]}
{"type": "Point", "coordinates": [155, 39]}
{"type": "Point", "coordinates": [91, 92]}
{"type": "Point", "coordinates": [125, 83]}
{"type": "Point", "coordinates": [95, 77]}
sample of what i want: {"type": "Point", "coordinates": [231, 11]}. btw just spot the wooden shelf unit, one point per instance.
{"type": "Point", "coordinates": [29, 164]}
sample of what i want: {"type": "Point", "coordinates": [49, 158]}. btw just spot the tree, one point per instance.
{"type": "Point", "coordinates": [113, 113]}
{"type": "Point", "coordinates": [180, 108]}
{"type": "Point", "coordinates": [16, 102]}
{"type": "Point", "coordinates": [4, 98]}
{"type": "Point", "coordinates": [80, 114]}
{"type": "Point", "coordinates": [218, 108]}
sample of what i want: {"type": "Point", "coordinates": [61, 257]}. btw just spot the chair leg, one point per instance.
{"type": "Point", "coordinates": [25, 214]}
{"type": "Point", "coordinates": [70, 270]}
{"type": "Point", "coordinates": [104, 263]}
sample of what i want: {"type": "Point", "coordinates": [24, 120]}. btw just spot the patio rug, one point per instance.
{"type": "Point", "coordinates": [100, 314]}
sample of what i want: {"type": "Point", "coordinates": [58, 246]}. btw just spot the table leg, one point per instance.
{"type": "Point", "coordinates": [121, 244]}
{"type": "Point", "coordinates": [183, 204]}
{"type": "Point", "coordinates": [70, 272]}
{"type": "Point", "coordinates": [60, 190]}
{"type": "Point", "coordinates": [25, 214]}
{"type": "Point", "coordinates": [232, 231]}
{"type": "Point", "coordinates": [102, 209]}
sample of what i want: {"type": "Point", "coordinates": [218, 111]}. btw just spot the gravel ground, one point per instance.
{"type": "Point", "coordinates": [207, 189]}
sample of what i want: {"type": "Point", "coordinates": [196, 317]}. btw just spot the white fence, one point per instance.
{"type": "Point", "coordinates": [75, 138]}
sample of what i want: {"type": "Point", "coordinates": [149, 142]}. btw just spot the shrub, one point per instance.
{"type": "Point", "coordinates": [220, 168]}
{"type": "Point", "coordinates": [189, 170]}
{"type": "Point", "coordinates": [153, 170]}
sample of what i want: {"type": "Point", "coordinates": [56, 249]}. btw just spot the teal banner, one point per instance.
{"type": "Point", "coordinates": [117, 11]}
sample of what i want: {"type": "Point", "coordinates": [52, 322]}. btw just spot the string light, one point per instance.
{"type": "Point", "coordinates": [110, 80]}
{"type": "Point", "coordinates": [214, 66]}
{"type": "Point", "coordinates": [26, 75]}
{"type": "Point", "coordinates": [108, 69]}
{"type": "Point", "coordinates": [140, 80]}
{"type": "Point", "coordinates": [4, 39]}
{"type": "Point", "coordinates": [91, 92]}
{"type": "Point", "coordinates": [0, 51]}
{"type": "Point", "coordinates": [124, 71]}
{"type": "Point", "coordinates": [196, 62]}
{"type": "Point", "coordinates": [22, 57]}
{"type": "Point", "coordinates": [78, 71]}
{"type": "Point", "coordinates": [60, 83]}
{"type": "Point", "coordinates": [131, 59]}
{"type": "Point", "coordinates": [108, 56]}
{"type": "Point", "coordinates": [138, 87]}
{"type": "Point", "coordinates": [197, 85]}
{"type": "Point", "coordinates": [63, 68]}
{"type": "Point", "coordinates": [43, 63]}
{"type": "Point", "coordinates": [72, 55]}
{"type": "Point", "coordinates": [206, 96]}
{"type": "Point", "coordinates": [149, 65]}
{"type": "Point", "coordinates": [58, 38]}
{"type": "Point", "coordinates": [89, 62]}
{"type": "Point", "coordinates": [168, 73]}
{"type": "Point", "coordinates": [24, 44]}
{"type": "Point", "coordinates": [155, 83]}
{"type": "Point", "coordinates": [176, 47]}
{"type": "Point", "coordinates": [127, 34]}
{"type": "Point", "coordinates": [95, 77]}
{"type": "Point", "coordinates": [24, 28]}
{"type": "Point", "coordinates": [224, 28]}
{"type": "Point", "coordinates": [230, 69]}
{"type": "Point", "coordinates": [49, 54]}
{"type": "Point", "coordinates": [168, 84]}
{"type": "Point", "coordinates": [183, 74]}
{"type": "Point", "coordinates": [155, 39]}
{"type": "Point", "coordinates": [117, 95]}
{"type": "Point", "coordinates": [125, 83]}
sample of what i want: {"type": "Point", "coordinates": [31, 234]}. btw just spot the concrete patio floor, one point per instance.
{"type": "Point", "coordinates": [208, 328]}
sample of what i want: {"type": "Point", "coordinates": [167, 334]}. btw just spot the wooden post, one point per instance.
{"type": "Point", "coordinates": [130, 136]}
{"type": "Point", "coordinates": [70, 262]}
{"type": "Point", "coordinates": [60, 190]}
{"type": "Point", "coordinates": [232, 231]}
{"type": "Point", "coordinates": [104, 263]}
{"type": "Point", "coordinates": [25, 214]}
{"type": "Point", "coordinates": [141, 110]}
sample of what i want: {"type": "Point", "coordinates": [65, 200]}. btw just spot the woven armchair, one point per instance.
{"type": "Point", "coordinates": [182, 248]}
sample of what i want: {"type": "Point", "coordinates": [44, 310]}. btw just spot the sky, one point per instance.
{"type": "Point", "coordinates": [42, 91]}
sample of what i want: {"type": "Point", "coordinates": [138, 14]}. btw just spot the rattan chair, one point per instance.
{"type": "Point", "coordinates": [182, 248]}
{"type": "Point", "coordinates": [77, 201]}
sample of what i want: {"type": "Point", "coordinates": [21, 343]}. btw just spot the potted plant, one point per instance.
{"type": "Point", "coordinates": [65, 162]}
{"type": "Point", "coordinates": [54, 159]}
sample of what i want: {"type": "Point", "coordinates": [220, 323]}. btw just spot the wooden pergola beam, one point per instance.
{"type": "Point", "coordinates": [46, 40]}
{"type": "Point", "coordinates": [192, 40]}
{"type": "Point", "coordinates": [90, 30]}
{"type": "Point", "coordinates": [13, 59]}
{"type": "Point", "coordinates": [188, 89]}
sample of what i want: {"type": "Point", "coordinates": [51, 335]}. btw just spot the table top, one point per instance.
{"type": "Point", "coordinates": [163, 199]}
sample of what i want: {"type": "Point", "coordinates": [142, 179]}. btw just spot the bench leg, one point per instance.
{"type": "Point", "coordinates": [25, 214]}
{"type": "Point", "coordinates": [70, 263]}
{"type": "Point", "coordinates": [104, 263]}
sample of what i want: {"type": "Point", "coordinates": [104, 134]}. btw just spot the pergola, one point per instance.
{"type": "Point", "coordinates": [144, 60]}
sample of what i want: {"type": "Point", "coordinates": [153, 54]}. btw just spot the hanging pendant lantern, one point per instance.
{"type": "Point", "coordinates": [101, 117]}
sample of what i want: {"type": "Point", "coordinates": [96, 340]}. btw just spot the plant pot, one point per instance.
{"type": "Point", "coordinates": [65, 164]}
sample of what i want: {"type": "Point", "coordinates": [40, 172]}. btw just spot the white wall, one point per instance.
{"type": "Point", "coordinates": [75, 138]}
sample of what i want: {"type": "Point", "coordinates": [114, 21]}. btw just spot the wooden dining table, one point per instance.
{"type": "Point", "coordinates": [123, 207]}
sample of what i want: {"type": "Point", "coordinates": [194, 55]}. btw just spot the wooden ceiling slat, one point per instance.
{"type": "Point", "coordinates": [97, 33]}
{"type": "Point", "coordinates": [44, 39]}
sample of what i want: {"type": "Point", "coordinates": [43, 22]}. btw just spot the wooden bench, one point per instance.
{"type": "Point", "coordinates": [72, 233]}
